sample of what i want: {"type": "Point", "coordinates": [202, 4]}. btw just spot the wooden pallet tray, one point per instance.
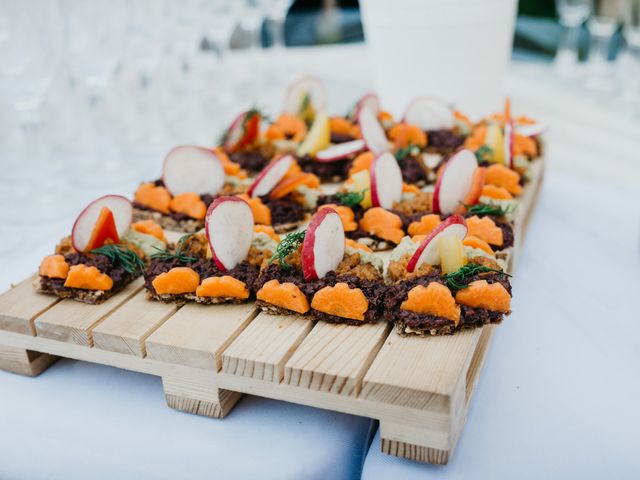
{"type": "Point", "coordinates": [418, 388]}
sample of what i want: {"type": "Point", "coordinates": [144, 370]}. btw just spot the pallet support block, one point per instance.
{"type": "Point", "coordinates": [198, 395]}
{"type": "Point", "coordinates": [24, 362]}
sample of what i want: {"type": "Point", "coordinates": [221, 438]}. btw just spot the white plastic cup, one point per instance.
{"type": "Point", "coordinates": [456, 50]}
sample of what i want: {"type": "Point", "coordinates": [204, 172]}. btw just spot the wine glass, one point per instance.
{"type": "Point", "coordinates": [630, 61]}
{"type": "Point", "coordinates": [605, 15]}
{"type": "Point", "coordinates": [572, 14]}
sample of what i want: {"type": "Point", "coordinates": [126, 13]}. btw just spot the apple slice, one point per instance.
{"type": "Point", "coordinates": [532, 129]}
{"type": "Point", "coordinates": [323, 245]}
{"type": "Point", "coordinates": [372, 132]}
{"type": "Point", "coordinates": [244, 130]}
{"type": "Point", "coordinates": [93, 225]}
{"type": "Point", "coordinates": [455, 182]}
{"type": "Point", "coordinates": [428, 250]}
{"type": "Point", "coordinates": [307, 90]}
{"type": "Point", "coordinates": [270, 176]}
{"type": "Point", "coordinates": [340, 151]}
{"type": "Point", "coordinates": [369, 100]}
{"type": "Point", "coordinates": [229, 229]}
{"type": "Point", "coordinates": [508, 143]}
{"type": "Point", "coordinates": [386, 181]}
{"type": "Point", "coordinates": [429, 113]}
{"type": "Point", "coordinates": [190, 169]}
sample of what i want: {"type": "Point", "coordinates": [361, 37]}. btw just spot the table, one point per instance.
{"type": "Point", "coordinates": [557, 397]}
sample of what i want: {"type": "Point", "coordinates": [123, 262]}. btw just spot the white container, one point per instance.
{"type": "Point", "coordinates": [457, 50]}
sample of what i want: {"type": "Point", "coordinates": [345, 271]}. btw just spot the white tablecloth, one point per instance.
{"type": "Point", "coordinates": [556, 399]}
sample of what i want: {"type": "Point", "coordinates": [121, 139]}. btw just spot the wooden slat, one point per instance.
{"type": "Point", "coordinates": [71, 321]}
{"type": "Point", "coordinates": [20, 305]}
{"type": "Point", "coordinates": [197, 334]}
{"type": "Point", "coordinates": [420, 372]}
{"type": "Point", "coordinates": [334, 358]}
{"type": "Point", "coordinates": [126, 330]}
{"type": "Point", "coordinates": [264, 347]}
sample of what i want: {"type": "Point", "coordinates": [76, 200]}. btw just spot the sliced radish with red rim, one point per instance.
{"type": "Point", "coordinates": [372, 132]}
{"type": "Point", "coordinates": [307, 87]}
{"type": "Point", "coordinates": [386, 181]}
{"type": "Point", "coordinates": [229, 230]}
{"type": "Point", "coordinates": [323, 245]}
{"type": "Point", "coordinates": [369, 100]}
{"type": "Point", "coordinates": [429, 114]}
{"type": "Point", "coordinates": [531, 130]}
{"type": "Point", "coordinates": [454, 182]}
{"type": "Point", "coordinates": [190, 169]}
{"type": "Point", "coordinates": [270, 176]}
{"type": "Point", "coordinates": [340, 151]}
{"type": "Point", "coordinates": [244, 130]}
{"type": "Point", "coordinates": [508, 143]}
{"type": "Point", "coordinates": [85, 224]}
{"type": "Point", "coordinates": [427, 251]}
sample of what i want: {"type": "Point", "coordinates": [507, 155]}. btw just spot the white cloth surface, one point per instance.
{"type": "Point", "coordinates": [85, 421]}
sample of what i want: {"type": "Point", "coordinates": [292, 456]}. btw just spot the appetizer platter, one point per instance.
{"type": "Point", "coordinates": [358, 263]}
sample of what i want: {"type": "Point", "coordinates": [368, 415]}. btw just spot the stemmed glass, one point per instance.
{"type": "Point", "coordinates": [605, 15]}
{"type": "Point", "coordinates": [631, 74]}
{"type": "Point", "coordinates": [572, 14]}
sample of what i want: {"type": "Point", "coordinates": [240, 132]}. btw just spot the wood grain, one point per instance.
{"type": "Point", "coordinates": [24, 362]}
{"type": "Point", "coordinates": [334, 358]}
{"type": "Point", "coordinates": [197, 335]}
{"type": "Point", "coordinates": [20, 305]}
{"type": "Point", "coordinates": [264, 347]}
{"type": "Point", "coordinates": [72, 321]}
{"type": "Point", "coordinates": [126, 329]}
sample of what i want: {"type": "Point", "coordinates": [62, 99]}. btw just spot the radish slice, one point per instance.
{"type": "Point", "coordinates": [82, 230]}
{"type": "Point", "coordinates": [270, 176]}
{"type": "Point", "coordinates": [455, 182]}
{"type": "Point", "coordinates": [189, 169]}
{"type": "Point", "coordinates": [531, 130]}
{"type": "Point", "coordinates": [369, 100]}
{"type": "Point", "coordinates": [428, 249]}
{"type": "Point", "coordinates": [229, 229]}
{"type": "Point", "coordinates": [386, 181]}
{"type": "Point", "coordinates": [429, 114]}
{"type": "Point", "coordinates": [508, 143]}
{"type": "Point", "coordinates": [323, 245]}
{"type": "Point", "coordinates": [242, 132]}
{"type": "Point", "coordinates": [372, 132]}
{"type": "Point", "coordinates": [340, 151]}
{"type": "Point", "coordinates": [296, 93]}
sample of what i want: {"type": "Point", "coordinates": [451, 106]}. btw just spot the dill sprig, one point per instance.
{"type": "Point", "coordinates": [484, 154]}
{"type": "Point", "coordinates": [351, 199]}
{"type": "Point", "coordinates": [166, 255]}
{"type": "Point", "coordinates": [123, 256]}
{"type": "Point", "coordinates": [403, 153]}
{"type": "Point", "coordinates": [286, 247]}
{"type": "Point", "coordinates": [455, 280]}
{"type": "Point", "coordinates": [489, 209]}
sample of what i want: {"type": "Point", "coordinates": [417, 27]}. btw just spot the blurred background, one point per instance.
{"type": "Point", "coordinates": [93, 93]}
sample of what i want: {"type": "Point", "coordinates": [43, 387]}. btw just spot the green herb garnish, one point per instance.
{"type": "Point", "coordinates": [455, 280]}
{"type": "Point", "coordinates": [166, 255]}
{"type": "Point", "coordinates": [484, 154]}
{"type": "Point", "coordinates": [351, 199]}
{"type": "Point", "coordinates": [123, 256]}
{"type": "Point", "coordinates": [403, 153]}
{"type": "Point", "coordinates": [306, 101]}
{"type": "Point", "coordinates": [489, 209]}
{"type": "Point", "coordinates": [286, 247]}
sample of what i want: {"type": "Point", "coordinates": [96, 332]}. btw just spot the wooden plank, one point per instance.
{"type": "Point", "coordinates": [126, 330]}
{"type": "Point", "coordinates": [420, 372]}
{"type": "Point", "coordinates": [264, 347]}
{"type": "Point", "coordinates": [24, 362]}
{"type": "Point", "coordinates": [334, 358]}
{"type": "Point", "coordinates": [71, 321]}
{"type": "Point", "coordinates": [198, 394]}
{"type": "Point", "coordinates": [20, 305]}
{"type": "Point", "coordinates": [197, 335]}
